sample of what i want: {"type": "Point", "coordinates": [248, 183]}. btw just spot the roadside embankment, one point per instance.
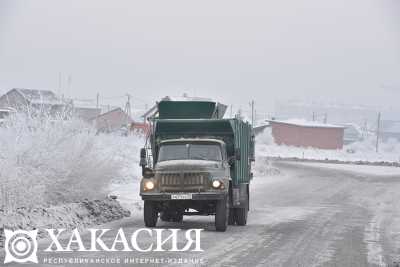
{"type": "Point", "coordinates": [68, 216]}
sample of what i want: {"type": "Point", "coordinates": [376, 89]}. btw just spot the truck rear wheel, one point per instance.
{"type": "Point", "coordinates": [241, 216]}
{"type": "Point", "coordinates": [150, 213]}
{"type": "Point", "coordinates": [241, 213]}
{"type": "Point", "coordinates": [222, 214]}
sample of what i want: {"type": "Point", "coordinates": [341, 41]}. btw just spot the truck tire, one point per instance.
{"type": "Point", "coordinates": [150, 213]}
{"type": "Point", "coordinates": [222, 214]}
{"type": "Point", "coordinates": [241, 213]}
{"type": "Point", "coordinates": [241, 216]}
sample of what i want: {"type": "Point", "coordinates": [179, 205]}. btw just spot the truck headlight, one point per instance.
{"type": "Point", "coordinates": [216, 184]}
{"type": "Point", "coordinates": [149, 185]}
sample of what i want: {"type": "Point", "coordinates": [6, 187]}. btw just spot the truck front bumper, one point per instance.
{"type": "Point", "coordinates": [194, 196]}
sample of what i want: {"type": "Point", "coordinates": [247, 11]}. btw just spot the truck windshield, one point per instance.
{"type": "Point", "coordinates": [190, 151]}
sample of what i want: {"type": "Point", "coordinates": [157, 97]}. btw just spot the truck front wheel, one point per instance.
{"type": "Point", "coordinates": [150, 213]}
{"type": "Point", "coordinates": [222, 214]}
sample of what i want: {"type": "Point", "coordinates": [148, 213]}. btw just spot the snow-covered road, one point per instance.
{"type": "Point", "coordinates": [307, 215]}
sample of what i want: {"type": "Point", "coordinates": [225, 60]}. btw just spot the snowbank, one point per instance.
{"type": "Point", "coordinates": [355, 152]}
{"type": "Point", "coordinates": [368, 170]}
{"type": "Point", "coordinates": [49, 162]}
{"type": "Point", "coordinates": [68, 216]}
{"type": "Point", "coordinates": [128, 196]}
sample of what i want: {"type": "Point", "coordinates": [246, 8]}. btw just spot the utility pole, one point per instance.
{"type": "Point", "coordinates": [59, 82]}
{"type": "Point", "coordinates": [252, 113]}
{"type": "Point", "coordinates": [128, 105]}
{"type": "Point", "coordinates": [231, 113]}
{"type": "Point", "coordinates": [97, 100]}
{"type": "Point", "coordinates": [365, 130]}
{"type": "Point", "coordinates": [325, 117]}
{"type": "Point", "coordinates": [378, 129]}
{"type": "Point", "coordinates": [69, 82]}
{"type": "Point", "coordinates": [313, 116]}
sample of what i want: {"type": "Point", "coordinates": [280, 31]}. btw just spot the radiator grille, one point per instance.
{"type": "Point", "coordinates": [183, 181]}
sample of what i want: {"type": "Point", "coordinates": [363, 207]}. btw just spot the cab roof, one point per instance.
{"type": "Point", "coordinates": [207, 140]}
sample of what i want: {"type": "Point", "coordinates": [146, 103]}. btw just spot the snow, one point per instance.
{"type": "Point", "coordinates": [373, 239]}
{"type": "Point", "coordinates": [58, 173]}
{"type": "Point", "coordinates": [305, 123]}
{"type": "Point", "coordinates": [359, 151]}
{"type": "Point", "coordinates": [43, 97]}
{"type": "Point", "coordinates": [48, 162]}
{"type": "Point", "coordinates": [128, 195]}
{"type": "Point", "coordinates": [360, 169]}
{"type": "Point", "coordinates": [273, 215]}
{"type": "Point", "coordinates": [66, 216]}
{"type": "Point", "coordinates": [187, 98]}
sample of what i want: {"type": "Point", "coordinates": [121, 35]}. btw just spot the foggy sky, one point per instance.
{"type": "Point", "coordinates": [234, 51]}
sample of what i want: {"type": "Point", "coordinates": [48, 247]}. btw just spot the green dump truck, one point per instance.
{"type": "Point", "coordinates": [196, 163]}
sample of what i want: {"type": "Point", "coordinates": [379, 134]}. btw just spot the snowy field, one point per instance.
{"type": "Point", "coordinates": [59, 173]}
{"type": "Point", "coordinates": [358, 151]}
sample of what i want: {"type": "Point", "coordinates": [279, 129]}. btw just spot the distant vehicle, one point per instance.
{"type": "Point", "coordinates": [197, 164]}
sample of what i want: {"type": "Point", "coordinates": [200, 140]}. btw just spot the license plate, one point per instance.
{"type": "Point", "coordinates": [181, 196]}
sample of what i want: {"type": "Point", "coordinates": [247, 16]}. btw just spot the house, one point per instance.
{"type": "Point", "coordinates": [4, 113]}
{"type": "Point", "coordinates": [302, 133]}
{"type": "Point", "coordinates": [86, 113]}
{"type": "Point", "coordinates": [390, 129]}
{"type": "Point", "coordinates": [113, 120]}
{"type": "Point", "coordinates": [84, 109]}
{"type": "Point", "coordinates": [32, 99]}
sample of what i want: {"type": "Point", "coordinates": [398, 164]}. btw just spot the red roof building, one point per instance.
{"type": "Point", "coordinates": [307, 134]}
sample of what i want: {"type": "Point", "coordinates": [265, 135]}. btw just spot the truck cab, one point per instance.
{"type": "Point", "coordinates": [200, 162]}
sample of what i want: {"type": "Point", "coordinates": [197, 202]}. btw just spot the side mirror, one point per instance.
{"type": "Point", "coordinates": [237, 154]}
{"type": "Point", "coordinates": [143, 160]}
{"type": "Point", "coordinates": [147, 173]}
